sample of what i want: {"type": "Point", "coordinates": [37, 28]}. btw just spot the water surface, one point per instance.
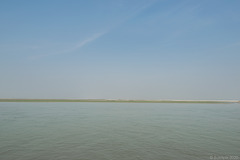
{"type": "Point", "coordinates": [118, 131]}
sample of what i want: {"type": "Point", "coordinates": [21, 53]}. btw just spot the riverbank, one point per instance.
{"type": "Point", "coordinates": [119, 101]}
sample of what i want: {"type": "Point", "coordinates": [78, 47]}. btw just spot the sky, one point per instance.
{"type": "Point", "coordinates": [121, 49]}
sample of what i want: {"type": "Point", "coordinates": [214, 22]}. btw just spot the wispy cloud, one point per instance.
{"type": "Point", "coordinates": [139, 9]}
{"type": "Point", "coordinates": [94, 37]}
{"type": "Point", "coordinates": [86, 41]}
{"type": "Point", "coordinates": [75, 47]}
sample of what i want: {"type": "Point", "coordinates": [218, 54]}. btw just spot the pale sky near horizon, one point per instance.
{"type": "Point", "coordinates": [121, 49]}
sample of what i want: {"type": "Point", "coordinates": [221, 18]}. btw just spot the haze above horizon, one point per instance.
{"type": "Point", "coordinates": [123, 49]}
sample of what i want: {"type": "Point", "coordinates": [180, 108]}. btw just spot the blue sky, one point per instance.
{"type": "Point", "coordinates": [124, 49]}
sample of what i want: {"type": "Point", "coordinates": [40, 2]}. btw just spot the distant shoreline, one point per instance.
{"type": "Point", "coordinates": [119, 101]}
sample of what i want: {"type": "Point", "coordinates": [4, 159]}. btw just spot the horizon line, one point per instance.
{"type": "Point", "coordinates": [114, 100]}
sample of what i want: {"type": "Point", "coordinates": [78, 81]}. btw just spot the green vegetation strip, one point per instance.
{"type": "Point", "coordinates": [116, 101]}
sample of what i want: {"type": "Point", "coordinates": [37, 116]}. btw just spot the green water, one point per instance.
{"type": "Point", "coordinates": [118, 131]}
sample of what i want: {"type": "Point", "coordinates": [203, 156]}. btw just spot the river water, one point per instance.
{"type": "Point", "coordinates": [119, 131]}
